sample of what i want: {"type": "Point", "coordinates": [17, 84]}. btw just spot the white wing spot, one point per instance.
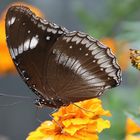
{"type": "Point", "coordinates": [9, 22]}
{"type": "Point", "coordinates": [23, 23]}
{"type": "Point", "coordinates": [92, 47]}
{"type": "Point", "coordinates": [36, 36]}
{"type": "Point", "coordinates": [34, 42]}
{"type": "Point", "coordinates": [67, 39]}
{"type": "Point", "coordinates": [13, 20]}
{"type": "Point", "coordinates": [91, 39]}
{"type": "Point", "coordinates": [44, 21]}
{"type": "Point", "coordinates": [26, 44]}
{"type": "Point", "coordinates": [106, 87]}
{"type": "Point", "coordinates": [76, 39]}
{"type": "Point", "coordinates": [54, 31]}
{"type": "Point", "coordinates": [40, 25]}
{"type": "Point", "coordinates": [15, 51]}
{"type": "Point", "coordinates": [60, 32]}
{"type": "Point", "coordinates": [101, 69]}
{"type": "Point", "coordinates": [70, 47]}
{"type": "Point", "coordinates": [29, 31]}
{"type": "Point", "coordinates": [86, 42]}
{"type": "Point", "coordinates": [81, 34]}
{"type": "Point", "coordinates": [55, 26]}
{"type": "Point", "coordinates": [12, 53]}
{"type": "Point", "coordinates": [48, 37]}
{"type": "Point", "coordinates": [20, 49]}
{"type": "Point", "coordinates": [86, 54]}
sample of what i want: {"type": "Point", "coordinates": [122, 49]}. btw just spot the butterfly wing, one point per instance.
{"type": "Point", "coordinates": [80, 68]}
{"type": "Point", "coordinates": [30, 40]}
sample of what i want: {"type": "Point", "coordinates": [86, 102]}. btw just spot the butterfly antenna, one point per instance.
{"type": "Point", "coordinates": [58, 124]}
{"type": "Point", "coordinates": [14, 96]}
{"type": "Point", "coordinates": [12, 104]}
{"type": "Point", "coordinates": [54, 110]}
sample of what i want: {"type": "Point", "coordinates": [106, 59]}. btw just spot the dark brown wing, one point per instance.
{"type": "Point", "coordinates": [80, 68]}
{"type": "Point", "coordinates": [30, 40]}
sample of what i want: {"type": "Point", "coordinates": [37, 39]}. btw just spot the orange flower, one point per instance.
{"type": "Point", "coordinates": [131, 129]}
{"type": "Point", "coordinates": [135, 58]}
{"type": "Point", "coordinates": [111, 43]}
{"type": "Point", "coordinates": [6, 63]}
{"type": "Point", "coordinates": [120, 49]}
{"type": "Point", "coordinates": [79, 121]}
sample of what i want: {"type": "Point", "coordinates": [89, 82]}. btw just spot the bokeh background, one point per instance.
{"type": "Point", "coordinates": [117, 24]}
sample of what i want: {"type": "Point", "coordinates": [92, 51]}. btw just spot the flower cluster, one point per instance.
{"type": "Point", "coordinates": [77, 121]}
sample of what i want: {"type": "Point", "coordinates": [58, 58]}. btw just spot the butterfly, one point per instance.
{"type": "Point", "coordinates": [59, 66]}
{"type": "Point", "coordinates": [135, 58]}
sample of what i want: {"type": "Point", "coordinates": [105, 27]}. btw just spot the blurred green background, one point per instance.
{"type": "Point", "coordinates": [116, 21]}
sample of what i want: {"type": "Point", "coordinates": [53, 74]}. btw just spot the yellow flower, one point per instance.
{"type": "Point", "coordinates": [79, 121]}
{"type": "Point", "coordinates": [135, 58]}
{"type": "Point", "coordinates": [131, 129]}
{"type": "Point", "coordinates": [6, 63]}
{"type": "Point", "coordinates": [120, 49]}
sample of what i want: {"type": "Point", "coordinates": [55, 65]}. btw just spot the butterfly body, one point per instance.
{"type": "Point", "coordinates": [60, 67]}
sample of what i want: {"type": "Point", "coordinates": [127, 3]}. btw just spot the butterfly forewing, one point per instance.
{"type": "Point", "coordinates": [30, 40]}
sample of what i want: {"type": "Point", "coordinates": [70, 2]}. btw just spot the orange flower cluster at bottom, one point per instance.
{"type": "Point", "coordinates": [131, 129]}
{"type": "Point", "coordinates": [74, 123]}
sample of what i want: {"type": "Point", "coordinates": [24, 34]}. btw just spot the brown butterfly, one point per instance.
{"type": "Point", "coordinates": [61, 67]}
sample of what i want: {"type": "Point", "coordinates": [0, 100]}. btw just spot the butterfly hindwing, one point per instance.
{"type": "Point", "coordinates": [80, 67]}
